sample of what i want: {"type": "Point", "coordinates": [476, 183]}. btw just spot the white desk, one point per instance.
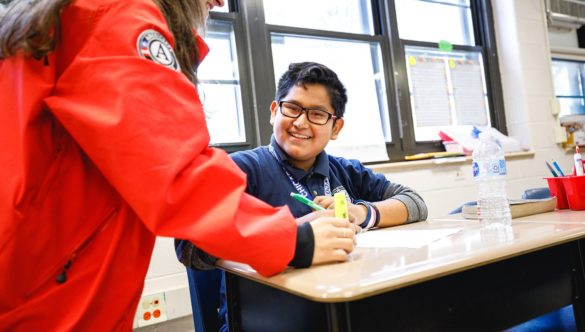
{"type": "Point", "coordinates": [472, 279]}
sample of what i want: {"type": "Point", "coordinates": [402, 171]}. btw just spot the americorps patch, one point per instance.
{"type": "Point", "coordinates": [154, 46]}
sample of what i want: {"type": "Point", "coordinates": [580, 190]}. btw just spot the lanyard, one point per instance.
{"type": "Point", "coordinates": [298, 186]}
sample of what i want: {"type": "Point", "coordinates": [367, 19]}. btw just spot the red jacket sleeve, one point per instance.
{"type": "Point", "coordinates": [143, 125]}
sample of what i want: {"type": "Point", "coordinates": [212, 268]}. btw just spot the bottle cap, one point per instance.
{"type": "Point", "coordinates": [484, 135]}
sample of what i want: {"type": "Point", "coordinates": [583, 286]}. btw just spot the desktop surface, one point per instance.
{"type": "Point", "coordinates": [393, 258]}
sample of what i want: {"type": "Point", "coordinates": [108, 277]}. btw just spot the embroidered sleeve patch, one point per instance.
{"type": "Point", "coordinates": [153, 46]}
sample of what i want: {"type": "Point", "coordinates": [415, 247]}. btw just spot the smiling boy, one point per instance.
{"type": "Point", "coordinates": [308, 112]}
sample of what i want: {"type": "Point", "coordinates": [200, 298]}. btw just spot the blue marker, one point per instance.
{"type": "Point", "coordinates": [558, 168]}
{"type": "Point", "coordinates": [551, 169]}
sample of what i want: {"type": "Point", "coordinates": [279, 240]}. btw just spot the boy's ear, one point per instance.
{"type": "Point", "coordinates": [337, 128]}
{"type": "Point", "coordinates": [273, 108]}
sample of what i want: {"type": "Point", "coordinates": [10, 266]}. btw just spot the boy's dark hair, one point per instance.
{"type": "Point", "coordinates": [301, 73]}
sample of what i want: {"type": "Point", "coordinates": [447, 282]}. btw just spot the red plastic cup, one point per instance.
{"type": "Point", "coordinates": [557, 189]}
{"type": "Point", "coordinates": [575, 191]}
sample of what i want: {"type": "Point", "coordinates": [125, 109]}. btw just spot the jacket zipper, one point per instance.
{"type": "Point", "coordinates": [62, 277]}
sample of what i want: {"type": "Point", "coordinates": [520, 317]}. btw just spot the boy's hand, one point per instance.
{"type": "Point", "coordinates": [334, 239]}
{"type": "Point", "coordinates": [358, 213]}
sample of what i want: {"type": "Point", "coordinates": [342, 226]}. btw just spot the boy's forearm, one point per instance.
{"type": "Point", "coordinates": [392, 212]}
{"type": "Point", "coordinates": [415, 206]}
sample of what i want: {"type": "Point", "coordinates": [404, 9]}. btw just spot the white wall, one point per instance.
{"type": "Point", "coordinates": [523, 51]}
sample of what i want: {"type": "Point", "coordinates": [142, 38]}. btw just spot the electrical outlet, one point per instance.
{"type": "Point", "coordinates": [152, 309]}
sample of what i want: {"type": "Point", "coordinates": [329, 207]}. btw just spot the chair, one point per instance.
{"type": "Point", "coordinates": [562, 320]}
{"type": "Point", "coordinates": [460, 208]}
{"type": "Point", "coordinates": [204, 288]}
{"type": "Point", "coordinates": [536, 193]}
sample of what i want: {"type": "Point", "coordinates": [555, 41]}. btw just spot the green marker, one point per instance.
{"type": "Point", "coordinates": [306, 201]}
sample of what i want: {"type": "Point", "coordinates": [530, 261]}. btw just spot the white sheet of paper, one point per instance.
{"type": "Point", "coordinates": [402, 238]}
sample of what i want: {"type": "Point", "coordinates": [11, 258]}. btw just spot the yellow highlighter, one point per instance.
{"type": "Point", "coordinates": [341, 206]}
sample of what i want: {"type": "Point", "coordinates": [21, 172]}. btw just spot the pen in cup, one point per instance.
{"type": "Point", "coordinates": [306, 201]}
{"type": "Point", "coordinates": [558, 168]}
{"type": "Point", "coordinates": [551, 169]}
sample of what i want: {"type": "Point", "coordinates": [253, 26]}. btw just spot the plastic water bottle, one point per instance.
{"type": "Point", "coordinates": [489, 171]}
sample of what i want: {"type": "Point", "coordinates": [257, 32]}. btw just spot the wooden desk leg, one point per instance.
{"type": "Point", "coordinates": [579, 285]}
{"type": "Point", "coordinates": [338, 318]}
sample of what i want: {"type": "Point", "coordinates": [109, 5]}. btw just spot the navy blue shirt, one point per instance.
{"type": "Point", "coordinates": [268, 180]}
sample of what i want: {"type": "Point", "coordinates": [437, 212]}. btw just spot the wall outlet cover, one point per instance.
{"type": "Point", "coordinates": [152, 309]}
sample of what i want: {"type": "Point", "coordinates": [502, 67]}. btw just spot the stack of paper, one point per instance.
{"type": "Point", "coordinates": [465, 136]}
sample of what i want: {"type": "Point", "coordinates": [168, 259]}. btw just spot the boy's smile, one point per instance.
{"type": "Point", "coordinates": [300, 139]}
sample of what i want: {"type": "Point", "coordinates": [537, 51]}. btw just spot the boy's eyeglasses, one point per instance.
{"type": "Point", "coordinates": [315, 115]}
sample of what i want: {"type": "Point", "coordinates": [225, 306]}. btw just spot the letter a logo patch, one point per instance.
{"type": "Point", "coordinates": [153, 46]}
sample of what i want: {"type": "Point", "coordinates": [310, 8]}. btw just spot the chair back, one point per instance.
{"type": "Point", "coordinates": [536, 193]}
{"type": "Point", "coordinates": [204, 287]}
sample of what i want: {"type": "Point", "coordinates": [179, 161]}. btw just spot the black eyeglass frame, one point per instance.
{"type": "Point", "coordinates": [306, 110]}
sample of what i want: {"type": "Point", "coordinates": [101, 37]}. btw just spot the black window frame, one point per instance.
{"type": "Point", "coordinates": [258, 79]}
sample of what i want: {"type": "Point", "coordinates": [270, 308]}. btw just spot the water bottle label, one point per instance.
{"type": "Point", "coordinates": [497, 167]}
{"type": "Point", "coordinates": [494, 167]}
{"type": "Point", "coordinates": [475, 169]}
{"type": "Point", "coordinates": [502, 167]}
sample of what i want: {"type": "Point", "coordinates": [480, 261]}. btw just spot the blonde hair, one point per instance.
{"type": "Point", "coordinates": [33, 27]}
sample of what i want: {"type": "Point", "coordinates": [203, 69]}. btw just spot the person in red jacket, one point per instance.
{"type": "Point", "coordinates": [103, 147]}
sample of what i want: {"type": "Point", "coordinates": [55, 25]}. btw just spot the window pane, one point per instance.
{"type": "Point", "coordinates": [358, 65]}
{"type": "Point", "coordinates": [224, 9]}
{"type": "Point", "coordinates": [446, 89]}
{"type": "Point", "coordinates": [219, 86]}
{"type": "Point", "coordinates": [353, 16]}
{"type": "Point", "coordinates": [568, 82]}
{"type": "Point", "coordinates": [435, 20]}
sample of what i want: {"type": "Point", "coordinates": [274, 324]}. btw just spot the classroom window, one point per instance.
{"type": "Point", "coordinates": [224, 9]}
{"type": "Point", "coordinates": [434, 20]}
{"type": "Point", "coordinates": [568, 79]}
{"type": "Point", "coordinates": [410, 67]}
{"type": "Point", "coordinates": [219, 85]}
{"type": "Point", "coordinates": [446, 89]}
{"type": "Point", "coordinates": [364, 81]}
{"type": "Point", "coordinates": [446, 67]}
{"type": "Point", "coordinates": [354, 16]}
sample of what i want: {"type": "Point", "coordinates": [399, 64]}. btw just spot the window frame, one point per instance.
{"type": "Point", "coordinates": [246, 91]}
{"type": "Point", "coordinates": [484, 36]}
{"type": "Point", "coordinates": [257, 79]}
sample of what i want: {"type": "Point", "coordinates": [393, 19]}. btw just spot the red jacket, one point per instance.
{"type": "Point", "coordinates": [102, 150]}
